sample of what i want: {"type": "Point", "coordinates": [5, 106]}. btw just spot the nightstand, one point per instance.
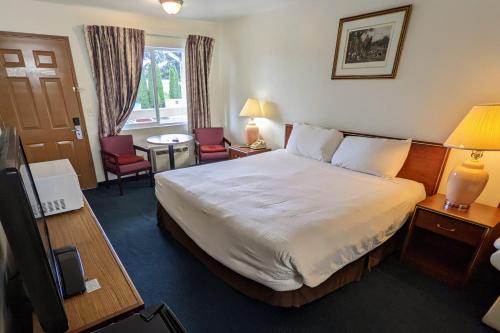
{"type": "Point", "coordinates": [242, 151]}
{"type": "Point", "coordinates": [450, 244]}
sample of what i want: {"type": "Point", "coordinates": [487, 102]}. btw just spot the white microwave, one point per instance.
{"type": "Point", "coordinates": [57, 186]}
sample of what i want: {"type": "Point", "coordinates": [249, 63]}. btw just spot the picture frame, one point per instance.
{"type": "Point", "coordinates": [369, 46]}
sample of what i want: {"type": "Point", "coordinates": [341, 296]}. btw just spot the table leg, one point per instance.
{"type": "Point", "coordinates": [171, 156]}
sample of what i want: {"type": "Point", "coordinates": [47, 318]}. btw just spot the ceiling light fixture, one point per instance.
{"type": "Point", "coordinates": [172, 7]}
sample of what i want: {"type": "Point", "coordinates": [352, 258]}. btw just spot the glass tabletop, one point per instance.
{"type": "Point", "coordinates": [169, 139]}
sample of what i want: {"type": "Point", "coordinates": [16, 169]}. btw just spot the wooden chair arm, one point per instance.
{"type": "Point", "coordinates": [109, 158]}
{"type": "Point", "coordinates": [196, 147]}
{"type": "Point", "coordinates": [141, 148]}
{"type": "Point", "coordinates": [227, 141]}
{"type": "Point", "coordinates": [197, 151]}
{"type": "Point", "coordinates": [108, 154]}
{"type": "Point", "coordinates": [146, 150]}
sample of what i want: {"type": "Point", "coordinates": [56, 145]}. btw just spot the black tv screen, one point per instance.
{"type": "Point", "coordinates": [26, 230]}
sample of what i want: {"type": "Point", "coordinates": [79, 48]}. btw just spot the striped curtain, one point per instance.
{"type": "Point", "coordinates": [116, 58]}
{"type": "Point", "coordinates": [199, 50]}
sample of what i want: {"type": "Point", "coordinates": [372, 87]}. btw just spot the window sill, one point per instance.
{"type": "Point", "coordinates": [129, 128]}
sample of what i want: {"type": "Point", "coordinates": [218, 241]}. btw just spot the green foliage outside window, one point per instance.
{"type": "Point", "coordinates": [159, 88]}
{"type": "Point", "coordinates": [167, 67]}
{"type": "Point", "coordinates": [146, 94]}
{"type": "Point", "coordinates": [175, 86]}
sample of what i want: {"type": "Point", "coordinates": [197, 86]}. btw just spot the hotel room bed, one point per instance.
{"type": "Point", "coordinates": [283, 220]}
{"type": "Point", "coordinates": [283, 228]}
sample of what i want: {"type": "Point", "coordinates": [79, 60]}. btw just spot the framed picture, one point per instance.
{"type": "Point", "coordinates": [369, 46]}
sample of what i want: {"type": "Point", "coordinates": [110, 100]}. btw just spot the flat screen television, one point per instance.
{"type": "Point", "coordinates": [27, 234]}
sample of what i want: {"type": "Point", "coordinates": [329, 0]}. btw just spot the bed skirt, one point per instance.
{"type": "Point", "coordinates": [293, 298]}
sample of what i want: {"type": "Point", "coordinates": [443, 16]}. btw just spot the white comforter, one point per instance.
{"type": "Point", "coordinates": [284, 220]}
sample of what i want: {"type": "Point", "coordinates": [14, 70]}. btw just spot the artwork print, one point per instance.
{"type": "Point", "coordinates": [369, 46]}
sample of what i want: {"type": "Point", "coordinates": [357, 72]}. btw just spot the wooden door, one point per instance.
{"type": "Point", "coordinates": [39, 96]}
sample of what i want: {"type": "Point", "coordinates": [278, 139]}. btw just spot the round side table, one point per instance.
{"type": "Point", "coordinates": [170, 140]}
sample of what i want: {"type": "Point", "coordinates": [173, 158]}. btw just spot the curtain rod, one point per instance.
{"type": "Point", "coordinates": [166, 36]}
{"type": "Point", "coordinates": [158, 35]}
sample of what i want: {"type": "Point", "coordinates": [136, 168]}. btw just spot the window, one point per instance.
{"type": "Point", "coordinates": [161, 99]}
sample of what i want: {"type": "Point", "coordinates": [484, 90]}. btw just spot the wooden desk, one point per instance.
{"type": "Point", "coordinates": [117, 296]}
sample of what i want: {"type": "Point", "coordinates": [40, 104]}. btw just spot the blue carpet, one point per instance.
{"type": "Point", "coordinates": [392, 298]}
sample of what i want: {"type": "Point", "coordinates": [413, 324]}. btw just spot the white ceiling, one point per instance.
{"type": "Point", "coordinates": [212, 10]}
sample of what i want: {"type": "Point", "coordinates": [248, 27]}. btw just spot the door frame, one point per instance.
{"type": "Point", "coordinates": [83, 123]}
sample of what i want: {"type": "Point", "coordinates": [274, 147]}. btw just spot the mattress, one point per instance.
{"type": "Point", "coordinates": [283, 220]}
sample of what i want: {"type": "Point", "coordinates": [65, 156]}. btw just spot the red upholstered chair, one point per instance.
{"type": "Point", "coordinates": [210, 145]}
{"type": "Point", "coordinates": [119, 157]}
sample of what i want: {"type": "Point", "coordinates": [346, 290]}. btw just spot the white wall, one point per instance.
{"type": "Point", "coordinates": [68, 20]}
{"type": "Point", "coordinates": [450, 61]}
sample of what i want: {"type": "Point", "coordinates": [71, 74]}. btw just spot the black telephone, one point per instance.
{"type": "Point", "coordinates": [71, 269]}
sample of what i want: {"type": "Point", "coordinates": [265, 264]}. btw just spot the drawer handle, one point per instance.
{"type": "Point", "coordinates": [444, 228]}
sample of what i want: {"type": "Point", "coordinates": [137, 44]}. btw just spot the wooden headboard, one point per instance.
{"type": "Point", "coordinates": [425, 162]}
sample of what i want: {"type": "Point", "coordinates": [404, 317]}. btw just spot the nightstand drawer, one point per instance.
{"type": "Point", "coordinates": [234, 154]}
{"type": "Point", "coordinates": [449, 227]}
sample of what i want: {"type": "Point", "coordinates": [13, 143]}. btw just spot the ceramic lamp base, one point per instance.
{"type": "Point", "coordinates": [449, 204]}
{"type": "Point", "coordinates": [251, 133]}
{"type": "Point", "coordinates": [465, 184]}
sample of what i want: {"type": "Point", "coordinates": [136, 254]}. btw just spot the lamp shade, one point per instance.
{"type": "Point", "coordinates": [479, 130]}
{"type": "Point", "coordinates": [251, 109]}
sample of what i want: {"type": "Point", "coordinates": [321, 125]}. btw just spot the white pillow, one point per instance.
{"type": "Point", "coordinates": [376, 156]}
{"type": "Point", "coordinates": [314, 142]}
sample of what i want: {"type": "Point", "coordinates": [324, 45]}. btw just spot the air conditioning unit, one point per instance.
{"type": "Point", "coordinates": [160, 160]}
{"type": "Point", "coordinates": [57, 185]}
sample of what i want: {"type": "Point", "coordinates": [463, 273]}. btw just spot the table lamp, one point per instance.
{"type": "Point", "coordinates": [251, 109]}
{"type": "Point", "coordinates": [479, 131]}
